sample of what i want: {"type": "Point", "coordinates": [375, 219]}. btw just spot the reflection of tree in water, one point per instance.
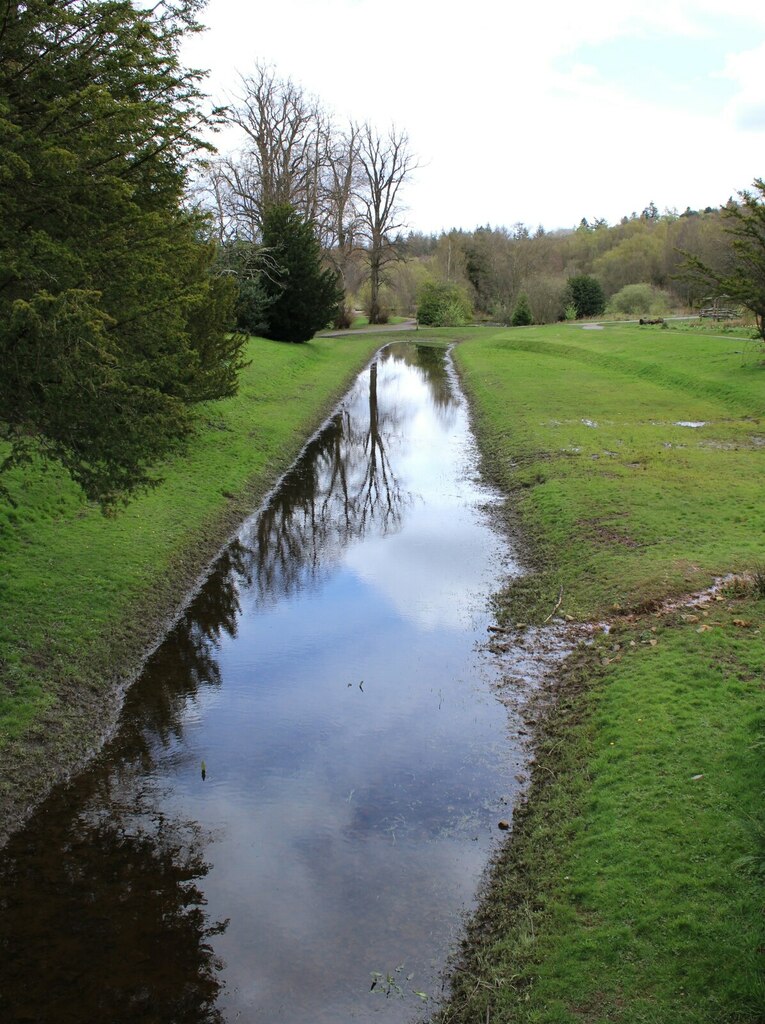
{"type": "Point", "coordinates": [185, 661]}
{"type": "Point", "coordinates": [103, 920]}
{"type": "Point", "coordinates": [119, 931]}
{"type": "Point", "coordinates": [342, 489]}
{"type": "Point", "coordinates": [431, 362]}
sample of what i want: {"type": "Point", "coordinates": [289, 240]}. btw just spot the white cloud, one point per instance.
{"type": "Point", "coordinates": [503, 135]}
{"type": "Point", "coordinates": [747, 108]}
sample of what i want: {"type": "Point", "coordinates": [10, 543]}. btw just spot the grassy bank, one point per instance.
{"type": "Point", "coordinates": [631, 889]}
{"type": "Point", "coordinates": [82, 595]}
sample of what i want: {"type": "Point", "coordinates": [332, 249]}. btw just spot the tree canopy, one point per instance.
{"type": "Point", "coordinates": [111, 322]}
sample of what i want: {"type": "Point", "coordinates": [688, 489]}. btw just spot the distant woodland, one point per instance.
{"type": "Point", "coordinates": [350, 183]}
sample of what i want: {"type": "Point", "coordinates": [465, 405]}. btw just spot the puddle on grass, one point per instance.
{"type": "Point", "coordinates": [307, 779]}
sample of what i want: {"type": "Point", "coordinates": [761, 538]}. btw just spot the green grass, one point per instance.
{"type": "Point", "coordinates": [82, 595]}
{"type": "Point", "coordinates": [745, 329]}
{"type": "Point", "coordinates": [623, 505]}
{"type": "Point", "coordinates": [630, 890]}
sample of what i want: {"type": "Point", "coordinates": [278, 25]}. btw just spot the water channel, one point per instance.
{"type": "Point", "coordinates": [304, 790]}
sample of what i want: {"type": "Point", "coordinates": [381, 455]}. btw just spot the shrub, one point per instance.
{"type": "Point", "coordinates": [522, 315]}
{"type": "Point", "coordinates": [381, 317]}
{"type": "Point", "coordinates": [385, 303]}
{"type": "Point", "coordinates": [344, 317]}
{"type": "Point", "coordinates": [586, 294]}
{"type": "Point", "coordinates": [443, 305]}
{"type": "Point", "coordinates": [251, 308]}
{"type": "Point", "coordinates": [547, 297]}
{"type": "Point", "coordinates": [639, 299]}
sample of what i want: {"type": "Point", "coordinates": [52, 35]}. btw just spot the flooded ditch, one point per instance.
{"type": "Point", "coordinates": [304, 790]}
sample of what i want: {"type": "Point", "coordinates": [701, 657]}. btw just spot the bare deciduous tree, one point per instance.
{"type": "Point", "coordinates": [285, 158]}
{"type": "Point", "coordinates": [385, 163]}
{"type": "Point", "coordinates": [292, 153]}
{"type": "Point", "coordinates": [226, 189]}
{"type": "Point", "coordinates": [345, 183]}
{"type": "Point", "coordinates": [342, 222]}
{"type": "Point", "coordinates": [282, 125]}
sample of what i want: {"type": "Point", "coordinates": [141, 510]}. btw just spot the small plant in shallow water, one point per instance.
{"type": "Point", "coordinates": [392, 984]}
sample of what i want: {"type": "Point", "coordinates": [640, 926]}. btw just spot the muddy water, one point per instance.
{"type": "Point", "coordinates": [307, 779]}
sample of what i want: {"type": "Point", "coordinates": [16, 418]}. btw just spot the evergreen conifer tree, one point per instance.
{"type": "Point", "coordinates": [111, 322]}
{"type": "Point", "coordinates": [303, 296]}
{"type": "Point", "coordinates": [522, 315]}
{"type": "Point", "coordinates": [586, 294]}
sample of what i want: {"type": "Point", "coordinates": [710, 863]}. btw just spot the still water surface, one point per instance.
{"type": "Point", "coordinates": [306, 782]}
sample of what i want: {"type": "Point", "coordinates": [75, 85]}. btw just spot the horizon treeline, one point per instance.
{"type": "Point", "coordinates": [639, 262]}
{"type": "Point", "coordinates": [349, 183]}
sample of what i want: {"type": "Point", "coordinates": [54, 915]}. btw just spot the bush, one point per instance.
{"type": "Point", "coordinates": [547, 297]}
{"type": "Point", "coordinates": [385, 303]}
{"type": "Point", "coordinates": [639, 299]}
{"type": "Point", "coordinates": [251, 308]}
{"type": "Point", "coordinates": [522, 315]}
{"type": "Point", "coordinates": [586, 294]}
{"type": "Point", "coordinates": [381, 317]}
{"type": "Point", "coordinates": [443, 305]}
{"type": "Point", "coordinates": [344, 317]}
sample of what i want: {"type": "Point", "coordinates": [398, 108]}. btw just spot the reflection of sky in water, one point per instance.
{"type": "Point", "coordinates": [355, 759]}
{"type": "Point", "coordinates": [368, 811]}
{"type": "Point", "coordinates": [433, 568]}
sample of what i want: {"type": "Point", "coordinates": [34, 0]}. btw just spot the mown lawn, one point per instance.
{"type": "Point", "coordinates": [631, 889]}
{"type": "Point", "coordinates": [82, 595]}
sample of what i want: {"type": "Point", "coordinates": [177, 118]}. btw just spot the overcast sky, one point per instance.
{"type": "Point", "coordinates": [541, 112]}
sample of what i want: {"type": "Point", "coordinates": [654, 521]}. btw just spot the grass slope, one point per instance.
{"type": "Point", "coordinates": [631, 889]}
{"type": "Point", "coordinates": [83, 595]}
